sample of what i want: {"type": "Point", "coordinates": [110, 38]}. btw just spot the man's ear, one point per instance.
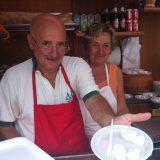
{"type": "Point", "coordinates": [30, 41]}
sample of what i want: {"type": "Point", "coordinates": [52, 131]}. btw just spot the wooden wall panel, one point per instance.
{"type": "Point", "coordinates": [150, 52]}
{"type": "Point", "coordinates": [16, 50]}
{"type": "Point", "coordinates": [88, 6]}
{"type": "Point", "coordinates": [139, 108]}
{"type": "Point", "coordinates": [36, 5]}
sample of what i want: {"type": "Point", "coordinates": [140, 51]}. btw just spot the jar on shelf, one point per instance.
{"type": "Point", "coordinates": [150, 3]}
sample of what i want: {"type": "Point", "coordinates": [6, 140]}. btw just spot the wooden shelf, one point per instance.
{"type": "Point", "coordinates": [152, 10]}
{"type": "Point", "coordinates": [120, 34]}
{"type": "Point", "coordinates": [128, 34]}
{"type": "Point", "coordinates": [26, 27]}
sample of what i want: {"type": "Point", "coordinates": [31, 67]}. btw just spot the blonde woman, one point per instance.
{"type": "Point", "coordinates": [98, 45]}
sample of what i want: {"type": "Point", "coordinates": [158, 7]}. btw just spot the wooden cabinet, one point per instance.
{"type": "Point", "coordinates": [139, 108]}
{"type": "Point", "coordinates": [16, 50]}
{"type": "Point", "coordinates": [150, 41]}
{"type": "Point", "coordinates": [36, 5]}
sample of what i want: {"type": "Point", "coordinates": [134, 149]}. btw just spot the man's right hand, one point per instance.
{"type": "Point", "coordinates": [128, 119]}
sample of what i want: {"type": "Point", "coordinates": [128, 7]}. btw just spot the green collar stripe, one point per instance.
{"type": "Point", "coordinates": [90, 95]}
{"type": "Point", "coordinates": [2, 123]}
{"type": "Point", "coordinates": [34, 62]}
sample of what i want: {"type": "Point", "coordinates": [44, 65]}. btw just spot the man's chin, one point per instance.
{"type": "Point", "coordinates": [53, 64]}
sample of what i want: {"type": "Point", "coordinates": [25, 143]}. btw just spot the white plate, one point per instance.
{"type": "Point", "coordinates": [21, 149]}
{"type": "Point", "coordinates": [99, 142]}
{"type": "Point", "coordinates": [142, 97]}
{"type": "Point", "coordinates": [149, 94]}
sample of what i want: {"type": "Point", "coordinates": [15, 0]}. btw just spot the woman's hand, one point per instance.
{"type": "Point", "coordinates": [128, 119]}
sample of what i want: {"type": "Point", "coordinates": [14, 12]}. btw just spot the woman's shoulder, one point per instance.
{"type": "Point", "coordinates": [114, 67]}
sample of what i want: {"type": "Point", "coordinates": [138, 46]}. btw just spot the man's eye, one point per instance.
{"type": "Point", "coordinates": [46, 43]}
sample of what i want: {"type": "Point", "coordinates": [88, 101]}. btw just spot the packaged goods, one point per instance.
{"type": "Point", "coordinates": [83, 23]}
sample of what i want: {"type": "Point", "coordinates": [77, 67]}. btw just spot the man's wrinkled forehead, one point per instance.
{"type": "Point", "coordinates": [45, 22]}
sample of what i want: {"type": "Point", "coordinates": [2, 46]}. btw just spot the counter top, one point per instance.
{"type": "Point", "coordinates": [91, 156]}
{"type": "Point", "coordinates": [88, 156]}
{"type": "Point", "coordinates": [151, 127]}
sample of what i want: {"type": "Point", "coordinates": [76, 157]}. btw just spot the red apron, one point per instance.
{"type": "Point", "coordinates": [59, 129]}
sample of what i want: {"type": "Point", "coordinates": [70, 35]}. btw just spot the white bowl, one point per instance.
{"type": "Point", "coordinates": [128, 96]}
{"type": "Point", "coordinates": [155, 100]}
{"type": "Point", "coordinates": [156, 86]}
{"type": "Point", "coordinates": [149, 94]}
{"type": "Point", "coordinates": [100, 139]}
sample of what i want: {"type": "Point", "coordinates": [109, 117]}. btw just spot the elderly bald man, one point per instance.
{"type": "Point", "coordinates": [40, 97]}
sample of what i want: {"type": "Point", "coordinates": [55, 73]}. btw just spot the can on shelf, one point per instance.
{"type": "Point", "coordinates": [129, 14]}
{"type": "Point", "coordinates": [129, 25]}
{"type": "Point", "coordinates": [135, 25]}
{"type": "Point", "coordinates": [134, 14]}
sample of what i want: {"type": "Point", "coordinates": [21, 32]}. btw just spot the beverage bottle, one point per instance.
{"type": "Point", "coordinates": [90, 19]}
{"type": "Point", "coordinates": [84, 23]}
{"type": "Point", "coordinates": [97, 18]}
{"type": "Point", "coordinates": [114, 19]}
{"type": "Point", "coordinates": [105, 17]}
{"type": "Point", "coordinates": [122, 19]}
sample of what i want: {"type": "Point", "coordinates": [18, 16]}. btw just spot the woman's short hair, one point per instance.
{"type": "Point", "coordinates": [95, 30]}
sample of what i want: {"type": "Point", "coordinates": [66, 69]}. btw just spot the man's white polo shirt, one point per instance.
{"type": "Point", "coordinates": [16, 93]}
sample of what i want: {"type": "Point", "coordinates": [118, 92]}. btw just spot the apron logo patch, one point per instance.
{"type": "Point", "coordinates": [68, 97]}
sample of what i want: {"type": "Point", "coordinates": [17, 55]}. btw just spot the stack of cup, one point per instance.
{"type": "Point", "coordinates": [156, 86]}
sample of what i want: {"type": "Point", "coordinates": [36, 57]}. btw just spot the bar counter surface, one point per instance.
{"type": "Point", "coordinates": [91, 156]}
{"type": "Point", "coordinates": [151, 127]}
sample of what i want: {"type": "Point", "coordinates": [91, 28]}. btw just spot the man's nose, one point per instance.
{"type": "Point", "coordinates": [54, 50]}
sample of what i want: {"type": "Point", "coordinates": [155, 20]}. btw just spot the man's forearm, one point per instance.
{"type": "Point", "coordinates": [100, 110]}
{"type": "Point", "coordinates": [7, 132]}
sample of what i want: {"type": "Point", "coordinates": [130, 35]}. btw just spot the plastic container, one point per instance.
{"type": "Point", "coordinates": [21, 149]}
